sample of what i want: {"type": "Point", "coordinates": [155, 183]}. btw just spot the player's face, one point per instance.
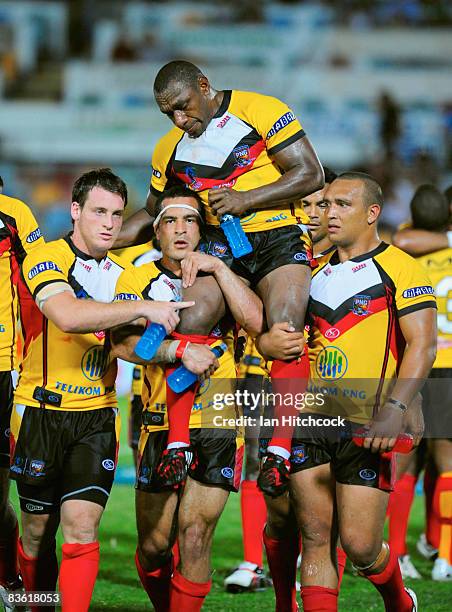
{"type": "Point", "coordinates": [178, 230]}
{"type": "Point", "coordinates": [317, 210]}
{"type": "Point", "coordinates": [348, 218]}
{"type": "Point", "coordinates": [98, 222]}
{"type": "Point", "coordinates": [187, 107]}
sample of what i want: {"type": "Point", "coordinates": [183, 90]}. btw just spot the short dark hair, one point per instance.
{"type": "Point", "coordinates": [448, 194]}
{"type": "Point", "coordinates": [429, 209]}
{"type": "Point", "coordinates": [179, 191]}
{"type": "Point", "coordinates": [100, 177]}
{"type": "Point", "coordinates": [1, 184]}
{"type": "Point", "coordinates": [185, 74]}
{"type": "Point", "coordinates": [372, 193]}
{"type": "Point", "coordinates": [330, 175]}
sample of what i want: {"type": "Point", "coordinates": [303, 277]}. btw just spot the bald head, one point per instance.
{"type": "Point", "coordinates": [178, 73]}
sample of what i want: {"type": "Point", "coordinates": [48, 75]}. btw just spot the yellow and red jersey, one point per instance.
{"type": "Point", "coordinates": [70, 371]}
{"type": "Point", "coordinates": [252, 361]}
{"type": "Point", "coordinates": [235, 151]}
{"type": "Point", "coordinates": [438, 267]}
{"type": "Point", "coordinates": [354, 311]}
{"type": "Point", "coordinates": [152, 281]}
{"type": "Point", "coordinates": [19, 235]}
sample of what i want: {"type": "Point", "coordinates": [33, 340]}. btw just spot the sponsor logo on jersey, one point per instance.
{"type": "Point", "coordinates": [36, 468]}
{"type": "Point", "coordinates": [156, 173]}
{"type": "Point", "coordinates": [281, 123]}
{"type": "Point", "coordinates": [230, 183]}
{"type": "Point", "coordinates": [108, 464]}
{"type": "Point", "coordinates": [43, 266]}
{"type": "Point", "coordinates": [100, 335]}
{"type": "Point", "coordinates": [332, 333]}
{"type": "Point", "coordinates": [80, 389]}
{"type": "Point", "coordinates": [7, 432]}
{"type": "Point", "coordinates": [227, 472]}
{"type": "Point", "coordinates": [84, 265]}
{"type": "Point", "coordinates": [300, 257]}
{"type": "Point", "coordinates": [280, 217]}
{"type": "Point", "coordinates": [367, 474]}
{"type": "Point", "coordinates": [144, 474]}
{"type": "Point", "coordinates": [242, 156]}
{"type": "Point", "coordinates": [170, 284]}
{"type": "Point", "coordinates": [94, 363]}
{"type": "Point", "coordinates": [327, 271]}
{"type": "Point", "coordinates": [359, 267]}
{"type": "Point", "coordinates": [17, 466]}
{"type": "Point", "coordinates": [331, 363]}
{"type": "Point", "coordinates": [107, 265]}
{"type": "Point", "coordinates": [299, 455]}
{"type": "Point", "coordinates": [34, 235]}
{"type": "Point", "coordinates": [360, 305]}
{"type": "Point", "coordinates": [2, 329]}
{"type": "Point", "coordinates": [223, 122]}
{"type": "Point", "coordinates": [2, 225]}
{"type": "Point", "coordinates": [218, 249]}
{"type": "Point", "coordinates": [126, 296]}
{"type": "Point", "coordinates": [417, 291]}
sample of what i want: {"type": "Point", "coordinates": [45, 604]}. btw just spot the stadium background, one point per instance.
{"type": "Point", "coordinates": [369, 80]}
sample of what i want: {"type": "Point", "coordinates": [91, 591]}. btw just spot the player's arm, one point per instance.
{"type": "Point", "coordinates": [138, 229]}
{"type": "Point", "coordinates": [198, 358]}
{"type": "Point", "coordinates": [302, 175]}
{"type": "Point", "coordinates": [79, 316]}
{"type": "Point", "coordinates": [419, 242]}
{"type": "Point", "coordinates": [281, 341]}
{"type": "Point", "coordinates": [245, 306]}
{"type": "Point", "coordinates": [420, 333]}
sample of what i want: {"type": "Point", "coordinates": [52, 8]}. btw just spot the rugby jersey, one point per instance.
{"type": "Point", "coordinates": [153, 281]}
{"type": "Point", "coordinates": [234, 151]}
{"type": "Point", "coordinates": [252, 361]}
{"type": "Point", "coordinates": [75, 370]}
{"type": "Point", "coordinates": [19, 235]}
{"type": "Point", "coordinates": [438, 267]}
{"type": "Point", "coordinates": [354, 312]}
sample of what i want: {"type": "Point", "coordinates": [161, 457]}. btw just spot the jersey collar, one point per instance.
{"type": "Point", "coordinates": [224, 104]}
{"type": "Point", "coordinates": [158, 264]}
{"type": "Point", "coordinates": [78, 252]}
{"type": "Point", "coordinates": [379, 249]}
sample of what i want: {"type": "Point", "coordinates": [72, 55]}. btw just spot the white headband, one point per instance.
{"type": "Point", "coordinates": [187, 206]}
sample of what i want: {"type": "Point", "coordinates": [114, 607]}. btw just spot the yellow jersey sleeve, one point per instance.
{"type": "Point", "coordinates": [127, 286]}
{"type": "Point", "coordinates": [29, 233]}
{"type": "Point", "coordinates": [414, 290]}
{"type": "Point", "coordinates": [273, 119]}
{"type": "Point", "coordinates": [44, 266]}
{"type": "Point", "coordinates": [161, 158]}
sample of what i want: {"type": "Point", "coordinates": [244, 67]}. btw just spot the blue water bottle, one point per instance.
{"type": "Point", "coordinates": [182, 378]}
{"type": "Point", "coordinates": [238, 241]}
{"type": "Point", "coordinates": [152, 338]}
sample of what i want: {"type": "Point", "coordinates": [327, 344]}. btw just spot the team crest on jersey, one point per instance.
{"type": "Point", "coordinates": [218, 249]}
{"type": "Point", "coordinates": [299, 455]}
{"type": "Point", "coordinates": [360, 305]}
{"type": "Point", "coordinates": [242, 156]}
{"type": "Point", "coordinates": [94, 363]}
{"type": "Point", "coordinates": [194, 183]}
{"type": "Point", "coordinates": [36, 468]}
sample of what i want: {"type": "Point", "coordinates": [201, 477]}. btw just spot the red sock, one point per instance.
{"type": "Point", "coordinates": [176, 554]}
{"type": "Point", "coordinates": [38, 573]}
{"type": "Point", "coordinates": [442, 506]}
{"type": "Point", "coordinates": [78, 572]}
{"type": "Point", "coordinates": [390, 586]}
{"type": "Point", "coordinates": [179, 406]}
{"type": "Point", "coordinates": [282, 558]}
{"type": "Point", "coordinates": [254, 515]}
{"type": "Point", "coordinates": [288, 377]}
{"type": "Point", "coordinates": [156, 584]}
{"type": "Point", "coordinates": [341, 563]}
{"type": "Point", "coordinates": [9, 564]}
{"type": "Point", "coordinates": [433, 525]}
{"type": "Point", "coordinates": [400, 501]}
{"type": "Point", "coordinates": [187, 596]}
{"type": "Point", "coordinates": [319, 599]}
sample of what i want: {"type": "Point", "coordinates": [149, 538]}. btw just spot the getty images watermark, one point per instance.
{"type": "Point", "coordinates": [254, 402]}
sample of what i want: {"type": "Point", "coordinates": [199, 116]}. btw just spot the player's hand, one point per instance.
{"type": "Point", "coordinates": [413, 422]}
{"type": "Point", "coordinates": [199, 359]}
{"type": "Point", "coordinates": [281, 342]}
{"type": "Point", "coordinates": [384, 429]}
{"type": "Point", "coordinates": [165, 313]}
{"type": "Point", "coordinates": [227, 201]}
{"type": "Point", "coordinates": [197, 262]}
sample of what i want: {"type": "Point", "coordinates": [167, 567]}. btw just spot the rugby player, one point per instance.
{"type": "Point", "coordinates": [215, 467]}
{"type": "Point", "coordinates": [19, 235]}
{"type": "Point", "coordinates": [369, 293]}
{"type": "Point", "coordinates": [247, 155]}
{"type": "Point", "coordinates": [430, 211]}
{"type": "Point", "coordinates": [65, 421]}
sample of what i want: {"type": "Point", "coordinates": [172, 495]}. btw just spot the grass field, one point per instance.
{"type": "Point", "coordinates": [118, 587]}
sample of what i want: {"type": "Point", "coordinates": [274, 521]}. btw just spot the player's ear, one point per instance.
{"type": "Point", "coordinates": [373, 212]}
{"type": "Point", "coordinates": [203, 84]}
{"type": "Point", "coordinates": [75, 211]}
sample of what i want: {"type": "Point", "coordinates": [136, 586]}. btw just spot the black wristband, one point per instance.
{"type": "Point", "coordinates": [398, 404]}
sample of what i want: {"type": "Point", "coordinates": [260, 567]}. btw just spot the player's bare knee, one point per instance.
{"type": "Point", "coordinates": [155, 547]}
{"type": "Point", "coordinates": [34, 528]}
{"type": "Point", "coordinates": [361, 551]}
{"type": "Point", "coordinates": [315, 535]}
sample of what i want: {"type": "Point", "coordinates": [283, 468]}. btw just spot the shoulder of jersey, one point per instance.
{"type": "Point", "coordinates": [169, 139]}
{"type": "Point", "coordinates": [394, 257]}
{"type": "Point", "coordinates": [10, 206]}
{"type": "Point", "coordinates": [117, 259]}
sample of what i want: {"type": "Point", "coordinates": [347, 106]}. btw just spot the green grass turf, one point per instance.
{"type": "Point", "coordinates": [118, 587]}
